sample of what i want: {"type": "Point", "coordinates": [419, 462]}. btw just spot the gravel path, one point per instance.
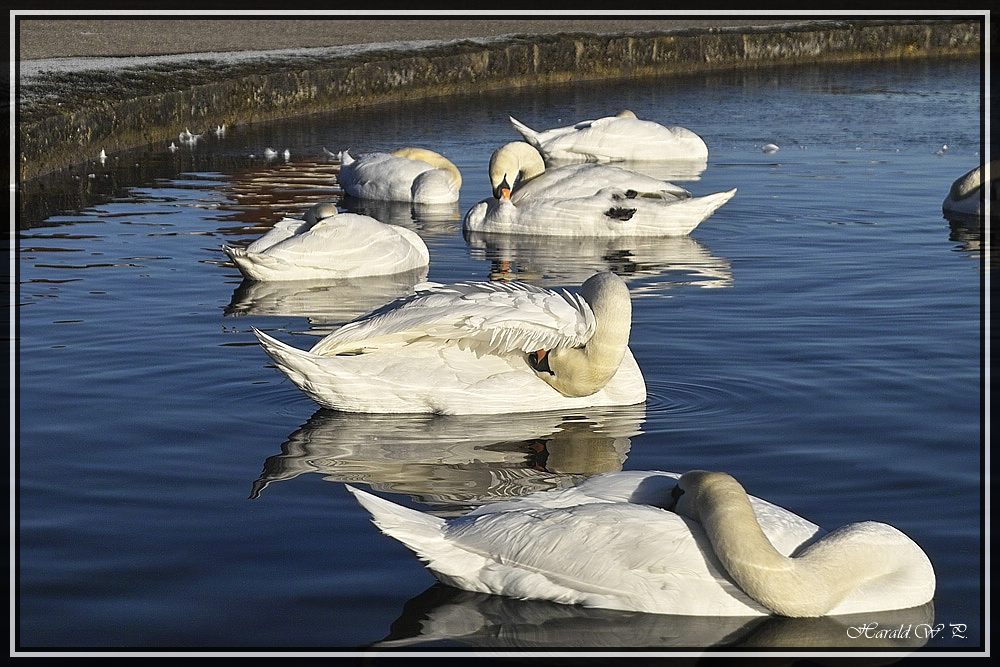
{"type": "Point", "coordinates": [42, 38]}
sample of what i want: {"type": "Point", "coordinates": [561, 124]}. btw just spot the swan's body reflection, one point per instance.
{"type": "Point", "coordinates": [544, 260]}
{"type": "Point", "coordinates": [454, 463]}
{"type": "Point", "coordinates": [426, 219]}
{"type": "Point", "coordinates": [326, 303]}
{"type": "Point", "coordinates": [442, 613]}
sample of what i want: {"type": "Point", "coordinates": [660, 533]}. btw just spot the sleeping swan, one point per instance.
{"type": "Point", "coordinates": [622, 137]}
{"type": "Point", "coordinates": [583, 200]}
{"type": "Point", "coordinates": [476, 348]}
{"type": "Point", "coordinates": [650, 542]}
{"type": "Point", "coordinates": [328, 244]}
{"type": "Point", "coordinates": [409, 174]}
{"type": "Point", "coordinates": [964, 202]}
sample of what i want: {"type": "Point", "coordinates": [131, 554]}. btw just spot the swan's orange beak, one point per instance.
{"type": "Point", "coordinates": [505, 194]}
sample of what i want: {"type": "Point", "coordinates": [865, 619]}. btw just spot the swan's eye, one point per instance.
{"type": "Point", "coordinates": [541, 366]}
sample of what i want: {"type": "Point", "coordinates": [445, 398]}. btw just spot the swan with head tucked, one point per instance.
{"type": "Point", "coordinates": [622, 137]}
{"type": "Point", "coordinates": [476, 348]}
{"type": "Point", "coordinates": [694, 544]}
{"type": "Point", "coordinates": [409, 174]}
{"type": "Point", "coordinates": [583, 200]}
{"type": "Point", "coordinates": [329, 244]}
{"type": "Point", "coordinates": [965, 197]}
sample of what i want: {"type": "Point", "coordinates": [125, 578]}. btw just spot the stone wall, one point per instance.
{"type": "Point", "coordinates": [68, 118]}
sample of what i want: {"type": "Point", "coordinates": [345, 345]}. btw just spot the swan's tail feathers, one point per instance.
{"type": "Point", "coordinates": [301, 366]}
{"type": "Point", "coordinates": [254, 265]}
{"type": "Point", "coordinates": [700, 208]}
{"type": "Point", "coordinates": [531, 136]}
{"type": "Point", "coordinates": [711, 203]}
{"type": "Point", "coordinates": [421, 532]}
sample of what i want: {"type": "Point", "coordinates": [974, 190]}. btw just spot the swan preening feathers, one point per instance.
{"type": "Point", "coordinates": [329, 244]}
{"type": "Point", "coordinates": [694, 544]}
{"type": "Point", "coordinates": [583, 200]}
{"type": "Point", "coordinates": [476, 348]}
{"type": "Point", "coordinates": [618, 138]}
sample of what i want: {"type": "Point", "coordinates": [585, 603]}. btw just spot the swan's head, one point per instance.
{"type": "Point", "coordinates": [512, 164]}
{"type": "Point", "coordinates": [582, 371]}
{"type": "Point", "coordinates": [435, 160]}
{"type": "Point", "coordinates": [319, 212]}
{"type": "Point", "coordinates": [625, 113]}
{"type": "Point", "coordinates": [697, 490]}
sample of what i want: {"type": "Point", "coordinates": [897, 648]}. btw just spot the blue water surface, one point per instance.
{"type": "Point", "coordinates": [818, 337]}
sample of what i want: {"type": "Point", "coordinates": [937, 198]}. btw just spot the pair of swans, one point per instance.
{"type": "Point", "coordinates": [583, 200]}
{"type": "Point", "coordinates": [693, 544]}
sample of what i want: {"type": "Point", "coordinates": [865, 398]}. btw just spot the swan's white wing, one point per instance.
{"type": "Point", "coordinates": [583, 180]}
{"type": "Point", "coordinates": [600, 553]}
{"type": "Point", "coordinates": [490, 317]}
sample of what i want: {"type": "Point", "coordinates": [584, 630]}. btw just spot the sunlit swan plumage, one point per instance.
{"type": "Point", "coordinates": [408, 174]}
{"type": "Point", "coordinates": [650, 542]}
{"type": "Point", "coordinates": [622, 137]}
{"type": "Point", "coordinates": [583, 200]}
{"type": "Point", "coordinates": [328, 244]}
{"type": "Point", "coordinates": [476, 348]}
{"type": "Point", "coordinates": [965, 197]}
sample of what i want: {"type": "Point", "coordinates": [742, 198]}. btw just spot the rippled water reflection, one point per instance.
{"type": "Point", "coordinates": [818, 337]}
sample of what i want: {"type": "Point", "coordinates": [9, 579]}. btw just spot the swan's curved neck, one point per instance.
{"type": "Point", "coordinates": [582, 371]}
{"type": "Point", "coordinates": [810, 584]}
{"type": "Point", "coordinates": [514, 163]}
{"type": "Point", "coordinates": [435, 160]}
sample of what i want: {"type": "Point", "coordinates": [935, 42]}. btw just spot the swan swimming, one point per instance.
{"type": "Point", "coordinates": [657, 542]}
{"type": "Point", "coordinates": [476, 348]}
{"type": "Point", "coordinates": [583, 200]}
{"type": "Point", "coordinates": [621, 137]}
{"type": "Point", "coordinates": [409, 174]}
{"type": "Point", "coordinates": [964, 201]}
{"type": "Point", "coordinates": [329, 244]}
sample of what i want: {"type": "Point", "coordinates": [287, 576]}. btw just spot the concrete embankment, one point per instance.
{"type": "Point", "coordinates": [69, 117]}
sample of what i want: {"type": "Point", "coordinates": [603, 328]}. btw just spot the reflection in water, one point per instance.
{"type": "Point", "coordinates": [665, 170]}
{"type": "Point", "coordinates": [326, 303]}
{"type": "Point", "coordinates": [544, 260]}
{"type": "Point", "coordinates": [442, 613]}
{"type": "Point", "coordinates": [455, 461]}
{"type": "Point", "coordinates": [264, 194]}
{"type": "Point", "coordinates": [427, 219]}
{"type": "Point", "coordinates": [969, 234]}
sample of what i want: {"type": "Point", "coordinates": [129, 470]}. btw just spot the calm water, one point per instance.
{"type": "Point", "coordinates": [818, 338]}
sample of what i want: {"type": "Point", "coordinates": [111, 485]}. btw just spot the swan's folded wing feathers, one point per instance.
{"type": "Point", "coordinates": [596, 549]}
{"type": "Point", "coordinates": [492, 317]}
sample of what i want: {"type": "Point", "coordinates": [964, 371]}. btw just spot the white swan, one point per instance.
{"type": "Point", "coordinates": [328, 244]}
{"type": "Point", "coordinates": [621, 137]}
{"type": "Point", "coordinates": [583, 200]}
{"type": "Point", "coordinates": [614, 542]}
{"type": "Point", "coordinates": [408, 174]}
{"type": "Point", "coordinates": [964, 201]}
{"type": "Point", "coordinates": [476, 348]}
